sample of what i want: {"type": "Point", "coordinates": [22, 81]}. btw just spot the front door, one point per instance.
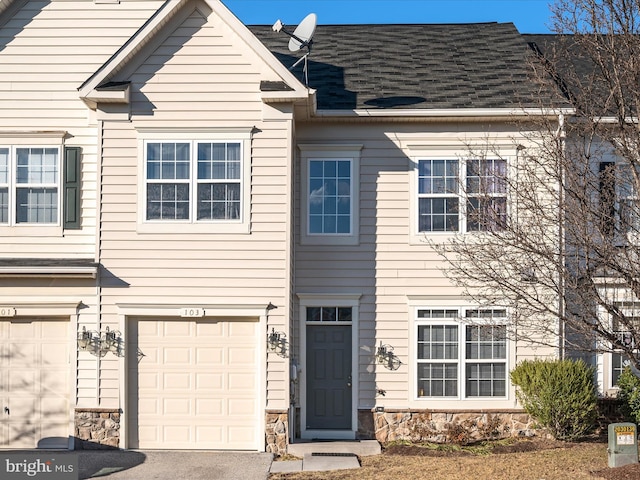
{"type": "Point", "coordinates": [329, 381]}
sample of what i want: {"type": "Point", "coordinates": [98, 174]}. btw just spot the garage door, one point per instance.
{"type": "Point", "coordinates": [193, 384]}
{"type": "Point", "coordinates": [34, 383]}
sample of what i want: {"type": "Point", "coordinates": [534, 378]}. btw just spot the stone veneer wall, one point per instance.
{"type": "Point", "coordinates": [97, 428]}
{"type": "Point", "coordinates": [277, 431]}
{"type": "Point", "coordinates": [443, 426]}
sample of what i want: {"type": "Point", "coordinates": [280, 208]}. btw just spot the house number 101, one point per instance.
{"type": "Point", "coordinates": [192, 312]}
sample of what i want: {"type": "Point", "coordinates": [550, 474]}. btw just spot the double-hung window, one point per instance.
{"type": "Point", "coordinates": [486, 195]}
{"type": "Point", "coordinates": [622, 330]}
{"type": "Point", "coordinates": [195, 181]}
{"type": "Point", "coordinates": [29, 185]}
{"type": "Point", "coordinates": [461, 358]}
{"type": "Point", "coordinates": [619, 200]}
{"type": "Point", "coordinates": [456, 195]}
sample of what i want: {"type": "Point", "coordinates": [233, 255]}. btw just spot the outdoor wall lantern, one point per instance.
{"type": "Point", "coordinates": [386, 357]}
{"type": "Point", "coordinates": [100, 343]}
{"type": "Point", "coordinates": [277, 342]}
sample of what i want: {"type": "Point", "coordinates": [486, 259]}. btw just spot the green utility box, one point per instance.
{"type": "Point", "coordinates": [623, 444]}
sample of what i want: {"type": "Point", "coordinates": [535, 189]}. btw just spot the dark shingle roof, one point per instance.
{"type": "Point", "coordinates": [440, 66]}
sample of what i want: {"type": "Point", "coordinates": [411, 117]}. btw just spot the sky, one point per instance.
{"type": "Point", "coordinates": [529, 16]}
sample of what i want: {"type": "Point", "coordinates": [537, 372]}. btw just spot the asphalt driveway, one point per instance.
{"type": "Point", "coordinates": [172, 465]}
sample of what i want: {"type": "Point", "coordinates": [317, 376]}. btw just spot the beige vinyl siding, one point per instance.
{"type": "Point", "coordinates": [220, 93]}
{"type": "Point", "coordinates": [48, 49]}
{"type": "Point", "coordinates": [386, 267]}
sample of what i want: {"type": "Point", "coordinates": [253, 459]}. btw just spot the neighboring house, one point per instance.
{"type": "Point", "coordinates": [198, 251]}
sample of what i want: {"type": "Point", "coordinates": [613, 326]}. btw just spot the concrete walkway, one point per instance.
{"type": "Point", "coordinates": [211, 465]}
{"type": "Point", "coordinates": [324, 456]}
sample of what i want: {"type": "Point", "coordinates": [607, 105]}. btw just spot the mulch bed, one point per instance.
{"type": "Point", "coordinates": [627, 472]}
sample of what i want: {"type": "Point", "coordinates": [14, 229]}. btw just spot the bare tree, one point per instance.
{"type": "Point", "coordinates": [566, 258]}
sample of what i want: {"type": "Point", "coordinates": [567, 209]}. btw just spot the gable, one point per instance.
{"type": "Point", "coordinates": [201, 38]}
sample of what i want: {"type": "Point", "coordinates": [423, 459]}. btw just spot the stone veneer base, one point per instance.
{"type": "Point", "coordinates": [97, 428]}
{"type": "Point", "coordinates": [441, 426]}
{"type": "Point", "coordinates": [276, 431]}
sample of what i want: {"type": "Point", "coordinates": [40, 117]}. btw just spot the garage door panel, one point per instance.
{"type": "Point", "coordinates": [209, 435]}
{"type": "Point", "coordinates": [205, 383]}
{"type": "Point", "coordinates": [53, 354]}
{"type": "Point", "coordinates": [177, 407]}
{"type": "Point", "coordinates": [209, 381]}
{"type": "Point", "coordinates": [176, 330]}
{"type": "Point", "coordinates": [239, 356]}
{"type": "Point", "coordinates": [149, 381]}
{"type": "Point", "coordinates": [178, 381]}
{"type": "Point", "coordinates": [24, 354]}
{"type": "Point", "coordinates": [242, 407]}
{"type": "Point", "coordinates": [177, 356]}
{"type": "Point", "coordinates": [210, 355]}
{"type": "Point", "coordinates": [209, 329]}
{"type": "Point", "coordinates": [23, 380]}
{"type": "Point", "coordinates": [149, 406]}
{"type": "Point", "coordinates": [210, 407]}
{"type": "Point", "coordinates": [151, 434]}
{"type": "Point", "coordinates": [241, 330]}
{"type": "Point", "coordinates": [23, 435]}
{"type": "Point", "coordinates": [241, 381]}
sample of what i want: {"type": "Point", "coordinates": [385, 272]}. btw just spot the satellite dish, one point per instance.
{"type": "Point", "coordinates": [302, 36]}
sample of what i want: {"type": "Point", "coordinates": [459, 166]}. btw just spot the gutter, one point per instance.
{"type": "Point", "coordinates": [456, 113]}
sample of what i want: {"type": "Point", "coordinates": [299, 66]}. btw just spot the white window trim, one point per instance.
{"type": "Point", "coordinates": [31, 229]}
{"type": "Point", "coordinates": [447, 152]}
{"type": "Point", "coordinates": [241, 226]}
{"type": "Point", "coordinates": [330, 152]}
{"type": "Point", "coordinates": [507, 401]}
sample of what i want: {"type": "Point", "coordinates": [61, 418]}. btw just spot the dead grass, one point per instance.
{"type": "Point", "coordinates": [540, 460]}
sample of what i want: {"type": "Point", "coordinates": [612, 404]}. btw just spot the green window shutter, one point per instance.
{"type": "Point", "coordinates": [71, 188]}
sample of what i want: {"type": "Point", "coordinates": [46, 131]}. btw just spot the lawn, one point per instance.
{"type": "Point", "coordinates": [516, 460]}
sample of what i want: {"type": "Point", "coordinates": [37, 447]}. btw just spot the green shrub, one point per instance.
{"type": "Point", "coordinates": [629, 394]}
{"type": "Point", "coordinates": [559, 394]}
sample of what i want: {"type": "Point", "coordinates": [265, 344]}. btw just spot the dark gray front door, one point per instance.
{"type": "Point", "coordinates": [329, 377]}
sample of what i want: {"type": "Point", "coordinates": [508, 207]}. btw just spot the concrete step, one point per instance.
{"type": "Point", "coordinates": [361, 448]}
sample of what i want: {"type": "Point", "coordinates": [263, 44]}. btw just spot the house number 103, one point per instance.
{"type": "Point", "coordinates": [7, 312]}
{"type": "Point", "coordinates": [192, 312]}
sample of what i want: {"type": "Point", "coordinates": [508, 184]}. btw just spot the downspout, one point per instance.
{"type": "Point", "coordinates": [561, 304]}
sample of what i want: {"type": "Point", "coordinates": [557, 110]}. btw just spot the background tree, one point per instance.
{"type": "Point", "coordinates": [566, 259]}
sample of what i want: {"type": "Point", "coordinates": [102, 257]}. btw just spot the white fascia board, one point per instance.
{"type": "Point", "coordinates": [457, 113]}
{"type": "Point", "coordinates": [208, 310]}
{"type": "Point", "coordinates": [109, 96]}
{"type": "Point", "coordinates": [44, 271]}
